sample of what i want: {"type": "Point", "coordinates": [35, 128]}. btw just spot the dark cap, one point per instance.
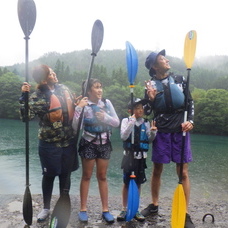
{"type": "Point", "coordinates": [137, 101]}
{"type": "Point", "coordinates": [151, 59]}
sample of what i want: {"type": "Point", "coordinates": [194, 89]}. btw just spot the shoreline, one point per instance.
{"type": "Point", "coordinates": [11, 213]}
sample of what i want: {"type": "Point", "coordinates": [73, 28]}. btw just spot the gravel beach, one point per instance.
{"type": "Point", "coordinates": [12, 217]}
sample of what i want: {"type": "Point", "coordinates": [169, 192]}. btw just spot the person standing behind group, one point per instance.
{"type": "Point", "coordinates": [95, 146]}
{"type": "Point", "coordinates": [53, 103]}
{"type": "Point", "coordinates": [167, 95]}
{"type": "Point", "coordinates": [134, 159]}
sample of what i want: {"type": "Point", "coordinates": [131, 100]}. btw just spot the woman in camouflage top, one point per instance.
{"type": "Point", "coordinates": [53, 103]}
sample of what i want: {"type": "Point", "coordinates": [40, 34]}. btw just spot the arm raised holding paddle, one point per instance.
{"type": "Point", "coordinates": [168, 99]}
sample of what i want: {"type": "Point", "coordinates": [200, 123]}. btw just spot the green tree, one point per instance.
{"type": "Point", "coordinates": [212, 113]}
{"type": "Point", "coordinates": [221, 83]}
{"type": "Point", "coordinates": [100, 72]}
{"type": "Point", "coordinates": [62, 72]}
{"type": "Point", "coordinates": [119, 96]}
{"type": "Point", "coordinates": [120, 76]}
{"type": "Point", "coordinates": [67, 73]}
{"type": "Point", "coordinates": [74, 87]}
{"type": "Point", "coordinates": [9, 95]}
{"type": "Point", "coordinates": [198, 93]}
{"type": "Point", "coordinates": [58, 68]}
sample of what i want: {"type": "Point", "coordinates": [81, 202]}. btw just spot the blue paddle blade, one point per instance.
{"type": "Point", "coordinates": [132, 201]}
{"type": "Point", "coordinates": [132, 62]}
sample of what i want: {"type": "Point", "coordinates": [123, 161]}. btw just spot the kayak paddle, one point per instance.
{"type": "Point", "coordinates": [133, 192]}
{"type": "Point", "coordinates": [132, 199]}
{"type": "Point", "coordinates": [62, 210]}
{"type": "Point", "coordinates": [27, 17]}
{"type": "Point", "coordinates": [179, 200]}
{"type": "Point", "coordinates": [132, 67]}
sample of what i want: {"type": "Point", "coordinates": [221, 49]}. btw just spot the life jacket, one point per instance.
{"type": "Point", "coordinates": [61, 107]}
{"type": "Point", "coordinates": [93, 125]}
{"type": "Point", "coordinates": [140, 138]}
{"type": "Point", "coordinates": [170, 96]}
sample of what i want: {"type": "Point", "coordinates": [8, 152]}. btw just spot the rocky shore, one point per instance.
{"type": "Point", "coordinates": [12, 217]}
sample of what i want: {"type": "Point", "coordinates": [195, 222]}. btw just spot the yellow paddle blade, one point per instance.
{"type": "Point", "coordinates": [190, 48]}
{"type": "Point", "coordinates": [178, 208]}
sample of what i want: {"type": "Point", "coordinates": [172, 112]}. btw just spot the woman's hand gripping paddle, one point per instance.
{"type": "Point", "coordinates": [27, 17]}
{"type": "Point", "coordinates": [133, 192]}
{"type": "Point", "coordinates": [179, 200]}
{"type": "Point", "coordinates": [62, 210]}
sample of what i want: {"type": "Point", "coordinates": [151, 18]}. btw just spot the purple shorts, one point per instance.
{"type": "Point", "coordinates": [168, 146]}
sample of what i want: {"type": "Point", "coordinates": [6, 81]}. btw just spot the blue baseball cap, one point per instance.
{"type": "Point", "coordinates": [151, 59]}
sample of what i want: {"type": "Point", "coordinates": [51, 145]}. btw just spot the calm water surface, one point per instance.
{"type": "Point", "coordinates": [208, 171]}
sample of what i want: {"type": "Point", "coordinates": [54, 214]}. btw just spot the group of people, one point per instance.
{"type": "Point", "coordinates": [62, 116]}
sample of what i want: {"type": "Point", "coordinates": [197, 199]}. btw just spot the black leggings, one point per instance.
{"type": "Point", "coordinates": [47, 187]}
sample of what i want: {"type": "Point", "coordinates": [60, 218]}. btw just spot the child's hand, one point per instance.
{"type": "Point", "coordinates": [151, 91]}
{"type": "Point", "coordinates": [153, 127]}
{"type": "Point", "coordinates": [133, 116]}
{"type": "Point", "coordinates": [76, 99]}
{"type": "Point", "coordinates": [83, 102]}
{"type": "Point", "coordinates": [100, 115]}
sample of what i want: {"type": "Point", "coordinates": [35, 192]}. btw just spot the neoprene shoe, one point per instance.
{"type": "Point", "coordinates": [43, 215]}
{"type": "Point", "coordinates": [82, 216]}
{"type": "Point", "coordinates": [150, 209]}
{"type": "Point", "coordinates": [188, 222]}
{"type": "Point", "coordinates": [122, 216]}
{"type": "Point", "coordinates": [139, 217]}
{"type": "Point", "coordinates": [108, 217]}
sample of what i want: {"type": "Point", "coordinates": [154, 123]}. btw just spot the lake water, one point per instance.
{"type": "Point", "coordinates": [208, 171]}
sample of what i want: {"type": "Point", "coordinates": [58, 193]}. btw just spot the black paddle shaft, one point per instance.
{"type": "Point", "coordinates": [27, 19]}
{"type": "Point", "coordinates": [96, 40]}
{"type": "Point", "coordinates": [61, 213]}
{"type": "Point", "coordinates": [184, 133]}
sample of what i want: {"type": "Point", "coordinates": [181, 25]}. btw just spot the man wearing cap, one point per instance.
{"type": "Point", "coordinates": [167, 95]}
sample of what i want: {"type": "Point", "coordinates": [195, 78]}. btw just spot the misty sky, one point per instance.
{"type": "Point", "coordinates": [65, 26]}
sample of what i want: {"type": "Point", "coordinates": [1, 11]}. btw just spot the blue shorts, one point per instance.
{"type": "Point", "coordinates": [167, 147]}
{"type": "Point", "coordinates": [57, 160]}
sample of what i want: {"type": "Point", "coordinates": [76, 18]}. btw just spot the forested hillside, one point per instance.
{"type": "Point", "coordinates": [208, 83]}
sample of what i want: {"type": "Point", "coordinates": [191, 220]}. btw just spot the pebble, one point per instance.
{"type": "Point", "coordinates": [12, 215]}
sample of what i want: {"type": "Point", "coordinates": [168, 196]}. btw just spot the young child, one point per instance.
{"type": "Point", "coordinates": [135, 154]}
{"type": "Point", "coordinates": [95, 146]}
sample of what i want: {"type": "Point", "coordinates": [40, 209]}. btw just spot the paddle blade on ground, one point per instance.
{"type": "Point", "coordinates": [27, 206]}
{"type": "Point", "coordinates": [190, 48]}
{"type": "Point", "coordinates": [178, 208]}
{"type": "Point", "coordinates": [61, 213]}
{"type": "Point", "coordinates": [27, 15]}
{"type": "Point", "coordinates": [132, 201]}
{"type": "Point", "coordinates": [132, 62]}
{"type": "Point", "coordinates": [97, 36]}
